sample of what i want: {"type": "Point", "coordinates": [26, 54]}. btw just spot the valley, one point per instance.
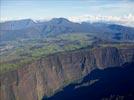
{"type": "Point", "coordinates": [17, 53]}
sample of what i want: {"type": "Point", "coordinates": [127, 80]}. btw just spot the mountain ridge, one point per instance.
{"type": "Point", "coordinates": [30, 29]}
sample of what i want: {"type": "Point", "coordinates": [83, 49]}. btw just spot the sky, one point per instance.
{"type": "Point", "coordinates": [46, 9]}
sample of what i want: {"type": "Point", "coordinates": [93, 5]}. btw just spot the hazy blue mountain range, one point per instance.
{"type": "Point", "coordinates": [28, 28]}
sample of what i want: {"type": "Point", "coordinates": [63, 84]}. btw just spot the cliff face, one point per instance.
{"type": "Point", "coordinates": [45, 76]}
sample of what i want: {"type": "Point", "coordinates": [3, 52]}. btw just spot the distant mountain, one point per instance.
{"type": "Point", "coordinates": [17, 25]}
{"type": "Point", "coordinates": [27, 28]}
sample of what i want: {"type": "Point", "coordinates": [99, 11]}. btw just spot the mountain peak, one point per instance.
{"type": "Point", "coordinates": [59, 20]}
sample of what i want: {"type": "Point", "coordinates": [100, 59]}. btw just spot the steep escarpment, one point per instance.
{"type": "Point", "coordinates": [114, 83]}
{"type": "Point", "coordinates": [48, 74]}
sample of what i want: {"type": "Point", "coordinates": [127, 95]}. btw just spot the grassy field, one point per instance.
{"type": "Point", "coordinates": [25, 51]}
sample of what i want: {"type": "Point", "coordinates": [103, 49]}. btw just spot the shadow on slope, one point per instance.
{"type": "Point", "coordinates": [116, 82]}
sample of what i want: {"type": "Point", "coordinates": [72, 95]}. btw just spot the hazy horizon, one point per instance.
{"type": "Point", "coordinates": [75, 9]}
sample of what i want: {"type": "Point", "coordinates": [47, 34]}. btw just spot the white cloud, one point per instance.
{"type": "Point", "coordinates": [124, 20]}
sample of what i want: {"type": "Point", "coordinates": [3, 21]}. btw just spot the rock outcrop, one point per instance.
{"type": "Point", "coordinates": [49, 74]}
